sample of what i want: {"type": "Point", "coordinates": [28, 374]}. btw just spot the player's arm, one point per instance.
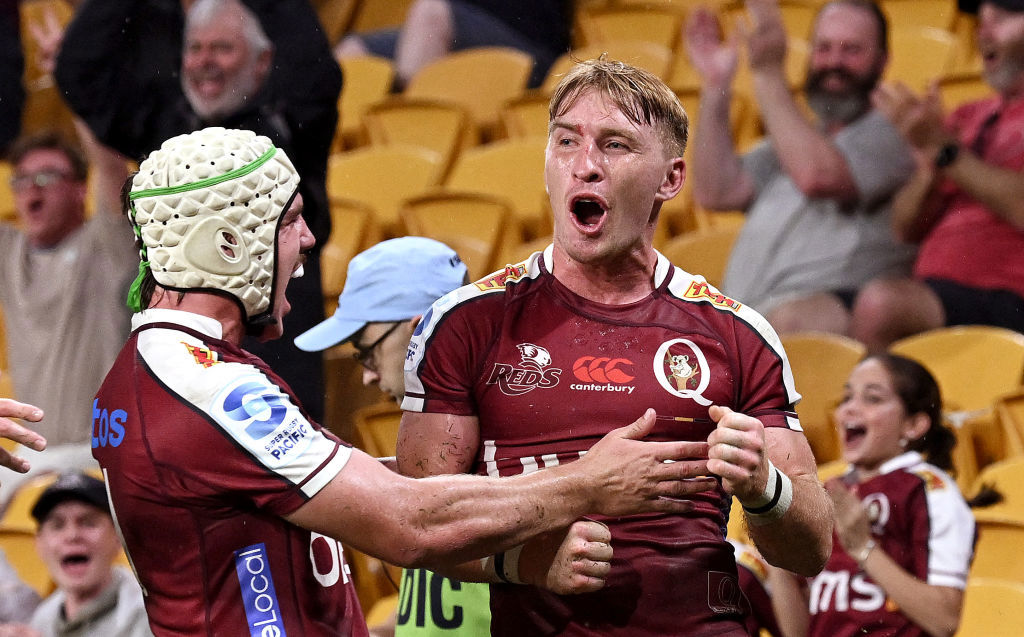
{"type": "Point", "coordinates": [771, 471]}
{"type": "Point", "coordinates": [441, 520]}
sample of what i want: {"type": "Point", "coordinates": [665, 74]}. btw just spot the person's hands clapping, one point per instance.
{"type": "Point", "coordinates": [712, 57]}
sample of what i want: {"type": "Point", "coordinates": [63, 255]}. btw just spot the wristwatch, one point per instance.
{"type": "Point", "coordinates": [947, 154]}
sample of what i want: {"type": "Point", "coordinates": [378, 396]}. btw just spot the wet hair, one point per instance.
{"type": "Point", "coordinates": [204, 12]}
{"type": "Point", "coordinates": [51, 140]}
{"type": "Point", "coordinates": [871, 8]}
{"type": "Point", "coordinates": [639, 94]}
{"type": "Point", "coordinates": [919, 393]}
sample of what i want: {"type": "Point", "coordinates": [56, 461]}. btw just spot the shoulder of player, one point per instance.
{"type": "Point", "coordinates": [698, 295]}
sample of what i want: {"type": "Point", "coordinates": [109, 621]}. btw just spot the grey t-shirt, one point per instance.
{"type": "Point", "coordinates": [792, 246]}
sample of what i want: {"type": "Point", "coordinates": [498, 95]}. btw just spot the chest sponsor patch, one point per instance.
{"type": "Point", "coordinates": [263, 419]}
{"type": "Point", "coordinates": [682, 370]}
{"type": "Point", "coordinates": [604, 374]}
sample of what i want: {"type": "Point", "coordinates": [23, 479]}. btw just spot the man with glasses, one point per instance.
{"type": "Point", "coordinates": [62, 283]}
{"type": "Point", "coordinates": [388, 289]}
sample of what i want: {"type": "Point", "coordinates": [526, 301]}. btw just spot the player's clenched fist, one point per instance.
{"type": "Point", "coordinates": [736, 453]}
{"type": "Point", "coordinates": [577, 559]}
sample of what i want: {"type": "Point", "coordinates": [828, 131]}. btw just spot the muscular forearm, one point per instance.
{"type": "Point", "coordinates": [801, 540]}
{"type": "Point", "coordinates": [808, 155]}
{"type": "Point", "coordinates": [936, 609]}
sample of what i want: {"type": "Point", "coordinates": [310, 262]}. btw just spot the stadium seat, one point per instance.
{"type": "Point", "coordinates": [335, 16]}
{"type": "Point", "coordinates": [974, 366]}
{"type": "Point", "coordinates": [442, 127]}
{"type": "Point", "coordinates": [526, 116]}
{"type": "Point", "coordinates": [938, 14]}
{"type": "Point", "coordinates": [368, 80]}
{"type": "Point", "coordinates": [473, 224]}
{"type": "Point", "coordinates": [611, 24]}
{"type": "Point", "coordinates": [959, 88]}
{"type": "Point", "coordinates": [376, 428]}
{"type": "Point", "coordinates": [480, 80]}
{"type": "Point", "coordinates": [1010, 414]}
{"type": "Point", "coordinates": [919, 55]}
{"type": "Point", "coordinates": [821, 364]}
{"type": "Point", "coordinates": [354, 228]}
{"type": "Point", "coordinates": [992, 608]}
{"type": "Point", "coordinates": [703, 252]}
{"type": "Point", "coordinates": [371, 15]}
{"type": "Point", "coordinates": [1000, 525]}
{"type": "Point", "coordinates": [511, 169]}
{"type": "Point", "coordinates": [8, 211]}
{"type": "Point", "coordinates": [20, 549]}
{"type": "Point", "coordinates": [381, 177]}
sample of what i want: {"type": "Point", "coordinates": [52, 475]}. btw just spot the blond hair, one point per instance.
{"type": "Point", "coordinates": [640, 95]}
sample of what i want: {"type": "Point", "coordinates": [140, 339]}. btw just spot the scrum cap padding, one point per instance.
{"type": "Point", "coordinates": [206, 206]}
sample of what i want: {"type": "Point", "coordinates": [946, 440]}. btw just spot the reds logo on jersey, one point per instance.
{"type": "Point", "coordinates": [531, 374]}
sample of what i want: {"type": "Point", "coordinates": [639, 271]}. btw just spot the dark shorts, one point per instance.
{"type": "Point", "coordinates": [474, 27]}
{"type": "Point", "coordinates": [965, 305]}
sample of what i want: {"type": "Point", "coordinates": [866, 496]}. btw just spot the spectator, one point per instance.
{"type": "Point", "coordinates": [141, 72]}
{"type": "Point", "coordinates": [523, 371]}
{"type": "Point", "coordinates": [78, 543]}
{"type": "Point", "coordinates": [965, 202]}
{"type": "Point", "coordinates": [904, 535]}
{"type": "Point", "coordinates": [253, 498]}
{"type": "Point", "coordinates": [62, 281]}
{"type": "Point", "coordinates": [388, 289]}
{"type": "Point", "coordinates": [816, 192]}
{"type": "Point", "coordinates": [433, 28]}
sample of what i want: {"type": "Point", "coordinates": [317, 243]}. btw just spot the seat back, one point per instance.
{"type": "Point", "coordinates": [20, 549]}
{"type": "Point", "coordinates": [376, 428]}
{"type": "Point", "coordinates": [918, 55]}
{"type": "Point", "coordinates": [612, 24]}
{"type": "Point", "coordinates": [821, 364]}
{"type": "Point", "coordinates": [354, 228]}
{"type": "Point", "coordinates": [992, 608]}
{"type": "Point", "coordinates": [644, 54]}
{"type": "Point", "coordinates": [442, 127]}
{"type": "Point", "coordinates": [472, 224]}
{"type": "Point", "coordinates": [938, 14]}
{"type": "Point", "coordinates": [480, 80]}
{"type": "Point", "coordinates": [382, 177]}
{"type": "Point", "coordinates": [526, 116]}
{"type": "Point", "coordinates": [703, 252]}
{"type": "Point", "coordinates": [512, 170]}
{"type": "Point", "coordinates": [368, 80]}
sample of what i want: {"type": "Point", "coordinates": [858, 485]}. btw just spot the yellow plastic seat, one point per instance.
{"type": "Point", "coordinates": [442, 127]}
{"type": "Point", "coordinates": [335, 16]}
{"type": "Point", "coordinates": [382, 177]}
{"type": "Point", "coordinates": [992, 608]}
{"type": "Point", "coordinates": [480, 80]}
{"type": "Point", "coordinates": [376, 428]}
{"type": "Point", "coordinates": [368, 80]}
{"type": "Point", "coordinates": [472, 224]}
{"type": "Point", "coordinates": [919, 55]}
{"type": "Point", "coordinates": [527, 115]}
{"type": "Point", "coordinates": [960, 88]}
{"type": "Point", "coordinates": [974, 366]}
{"type": "Point", "coordinates": [703, 252]}
{"type": "Point", "coordinates": [371, 15]}
{"type": "Point", "coordinates": [20, 550]}
{"type": "Point", "coordinates": [354, 228]}
{"type": "Point", "coordinates": [611, 24]}
{"type": "Point", "coordinates": [938, 14]}
{"type": "Point", "coordinates": [512, 170]}
{"type": "Point", "coordinates": [821, 364]}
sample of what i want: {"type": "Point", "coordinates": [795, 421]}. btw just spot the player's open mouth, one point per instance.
{"type": "Point", "coordinates": [588, 212]}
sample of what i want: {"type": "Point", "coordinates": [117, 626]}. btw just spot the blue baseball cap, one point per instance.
{"type": "Point", "coordinates": [394, 280]}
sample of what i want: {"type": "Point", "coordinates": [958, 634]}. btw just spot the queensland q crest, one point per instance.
{"type": "Point", "coordinates": [682, 370]}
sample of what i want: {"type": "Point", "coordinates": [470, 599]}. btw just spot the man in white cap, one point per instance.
{"type": "Point", "coordinates": [232, 503]}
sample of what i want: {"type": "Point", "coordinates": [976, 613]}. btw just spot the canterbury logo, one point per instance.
{"type": "Point", "coordinates": [601, 369]}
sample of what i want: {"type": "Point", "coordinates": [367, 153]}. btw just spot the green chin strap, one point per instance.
{"type": "Point", "coordinates": [135, 291]}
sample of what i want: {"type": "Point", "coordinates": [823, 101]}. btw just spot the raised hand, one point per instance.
{"type": "Point", "coordinates": [13, 431]}
{"type": "Point", "coordinates": [737, 453]}
{"type": "Point", "coordinates": [714, 58]}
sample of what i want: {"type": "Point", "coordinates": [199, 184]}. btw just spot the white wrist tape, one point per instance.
{"type": "Point", "coordinates": [506, 565]}
{"type": "Point", "coordinates": [774, 502]}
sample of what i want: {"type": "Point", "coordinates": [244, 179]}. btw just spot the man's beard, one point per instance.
{"type": "Point", "coordinates": [832, 107]}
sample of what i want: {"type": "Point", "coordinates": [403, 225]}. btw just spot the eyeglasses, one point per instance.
{"type": "Point", "coordinates": [364, 353]}
{"type": "Point", "coordinates": [43, 179]}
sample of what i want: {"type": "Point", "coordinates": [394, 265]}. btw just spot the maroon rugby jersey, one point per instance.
{"type": "Point", "coordinates": [203, 449]}
{"type": "Point", "coordinates": [548, 373]}
{"type": "Point", "coordinates": [919, 518]}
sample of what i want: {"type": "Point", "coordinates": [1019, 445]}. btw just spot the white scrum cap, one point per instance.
{"type": "Point", "coordinates": [207, 206]}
